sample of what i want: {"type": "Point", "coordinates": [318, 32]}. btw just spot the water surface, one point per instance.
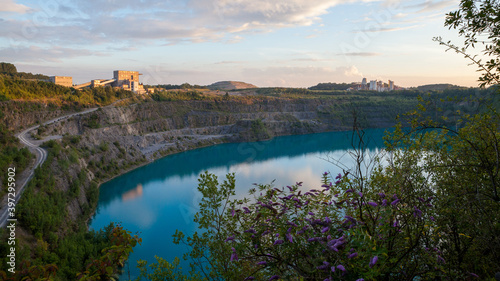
{"type": "Point", "coordinates": [161, 197]}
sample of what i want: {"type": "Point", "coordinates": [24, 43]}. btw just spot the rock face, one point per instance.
{"type": "Point", "coordinates": [152, 127]}
{"type": "Point", "coordinates": [230, 85]}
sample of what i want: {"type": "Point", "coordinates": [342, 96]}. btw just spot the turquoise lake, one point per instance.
{"type": "Point", "coordinates": [159, 198]}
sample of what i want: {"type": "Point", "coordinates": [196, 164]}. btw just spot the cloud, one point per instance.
{"type": "Point", "coordinates": [300, 76]}
{"type": "Point", "coordinates": [169, 22]}
{"type": "Point", "coordinates": [387, 29]}
{"type": "Point", "coordinates": [352, 72]}
{"type": "Point", "coordinates": [432, 6]}
{"type": "Point", "coordinates": [230, 62]}
{"type": "Point", "coordinates": [38, 54]}
{"type": "Point", "coordinates": [12, 6]}
{"type": "Point", "coordinates": [361, 54]}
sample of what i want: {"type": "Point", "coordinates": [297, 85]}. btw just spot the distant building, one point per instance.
{"type": "Point", "coordinates": [66, 81]}
{"type": "Point", "coordinates": [128, 80]}
{"type": "Point", "coordinates": [373, 85]}
{"type": "Point", "coordinates": [391, 85]}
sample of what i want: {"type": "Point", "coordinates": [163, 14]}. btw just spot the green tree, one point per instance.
{"type": "Point", "coordinates": [7, 68]}
{"type": "Point", "coordinates": [478, 22]}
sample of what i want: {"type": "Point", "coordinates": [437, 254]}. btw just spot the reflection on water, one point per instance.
{"type": "Point", "coordinates": [134, 193]}
{"type": "Point", "coordinates": [161, 197]}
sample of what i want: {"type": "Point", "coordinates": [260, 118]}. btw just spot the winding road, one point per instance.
{"type": "Point", "coordinates": [41, 156]}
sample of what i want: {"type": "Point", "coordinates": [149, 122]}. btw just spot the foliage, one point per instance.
{"type": "Point", "coordinates": [10, 154]}
{"type": "Point", "coordinates": [20, 89]}
{"type": "Point", "coordinates": [104, 267]}
{"type": "Point", "coordinates": [345, 231]}
{"type": "Point", "coordinates": [178, 87]}
{"type": "Point", "coordinates": [58, 247]}
{"type": "Point", "coordinates": [10, 70]}
{"type": "Point", "coordinates": [177, 95]}
{"type": "Point", "coordinates": [7, 68]}
{"type": "Point", "coordinates": [477, 22]}
{"type": "Point", "coordinates": [332, 86]}
{"type": "Point", "coordinates": [462, 165]}
{"type": "Point", "coordinates": [163, 270]}
{"type": "Point", "coordinates": [87, 255]}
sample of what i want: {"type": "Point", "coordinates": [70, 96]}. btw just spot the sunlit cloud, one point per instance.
{"type": "Point", "coordinates": [12, 6]}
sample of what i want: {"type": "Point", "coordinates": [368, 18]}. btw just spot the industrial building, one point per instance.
{"type": "Point", "coordinates": [123, 79]}
{"type": "Point", "coordinates": [375, 85]}
{"type": "Point", "coordinates": [66, 81]}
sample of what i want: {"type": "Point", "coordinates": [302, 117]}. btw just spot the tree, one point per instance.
{"type": "Point", "coordinates": [479, 23]}
{"type": "Point", "coordinates": [7, 68]}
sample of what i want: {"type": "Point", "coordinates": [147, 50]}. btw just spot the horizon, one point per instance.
{"type": "Point", "coordinates": [284, 44]}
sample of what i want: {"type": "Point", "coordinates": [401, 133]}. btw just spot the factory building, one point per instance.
{"type": "Point", "coordinates": [128, 80]}
{"type": "Point", "coordinates": [66, 81]}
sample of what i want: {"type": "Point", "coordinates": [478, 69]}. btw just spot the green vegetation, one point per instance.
{"type": "Point", "coordinates": [21, 89]}
{"type": "Point", "coordinates": [185, 86]}
{"type": "Point", "coordinates": [10, 70]}
{"type": "Point", "coordinates": [11, 155]}
{"type": "Point", "coordinates": [332, 86]}
{"type": "Point", "coordinates": [54, 245]}
{"type": "Point", "coordinates": [477, 22]}
{"type": "Point", "coordinates": [177, 95]}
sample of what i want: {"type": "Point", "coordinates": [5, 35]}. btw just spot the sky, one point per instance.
{"type": "Point", "coordinates": [268, 43]}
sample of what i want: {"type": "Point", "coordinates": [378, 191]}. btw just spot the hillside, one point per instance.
{"type": "Point", "coordinates": [438, 87]}
{"type": "Point", "coordinates": [230, 85]}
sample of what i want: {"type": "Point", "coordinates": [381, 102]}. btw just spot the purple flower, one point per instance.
{"type": "Point", "coordinates": [328, 220]}
{"type": "Point", "coordinates": [289, 237]}
{"type": "Point", "coordinates": [360, 194]}
{"type": "Point", "coordinates": [341, 267]}
{"type": "Point", "coordinates": [277, 235]}
{"type": "Point", "coordinates": [473, 275]}
{"type": "Point", "coordinates": [349, 190]}
{"type": "Point", "coordinates": [384, 202]}
{"type": "Point", "coordinates": [333, 268]}
{"type": "Point", "coordinates": [325, 229]}
{"type": "Point", "coordinates": [325, 174]}
{"type": "Point", "coordinates": [230, 238]}
{"type": "Point", "coordinates": [417, 212]}
{"type": "Point", "coordinates": [381, 194]}
{"type": "Point", "coordinates": [353, 255]}
{"type": "Point", "coordinates": [360, 279]}
{"type": "Point", "coordinates": [324, 266]}
{"type": "Point", "coordinates": [339, 176]}
{"type": "Point", "coordinates": [373, 261]}
{"type": "Point", "coordinates": [337, 182]}
{"type": "Point", "coordinates": [311, 213]}
{"type": "Point", "coordinates": [250, 231]}
{"type": "Point", "coordinates": [395, 224]}
{"type": "Point", "coordinates": [247, 211]}
{"type": "Point", "coordinates": [278, 242]}
{"type": "Point", "coordinates": [262, 263]}
{"type": "Point", "coordinates": [234, 256]}
{"type": "Point", "coordinates": [440, 259]}
{"type": "Point", "coordinates": [373, 204]}
{"type": "Point", "coordinates": [274, 277]}
{"type": "Point", "coordinates": [289, 187]}
{"type": "Point", "coordinates": [395, 202]}
{"type": "Point", "coordinates": [232, 212]}
{"type": "Point", "coordinates": [432, 218]}
{"type": "Point", "coordinates": [266, 232]}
